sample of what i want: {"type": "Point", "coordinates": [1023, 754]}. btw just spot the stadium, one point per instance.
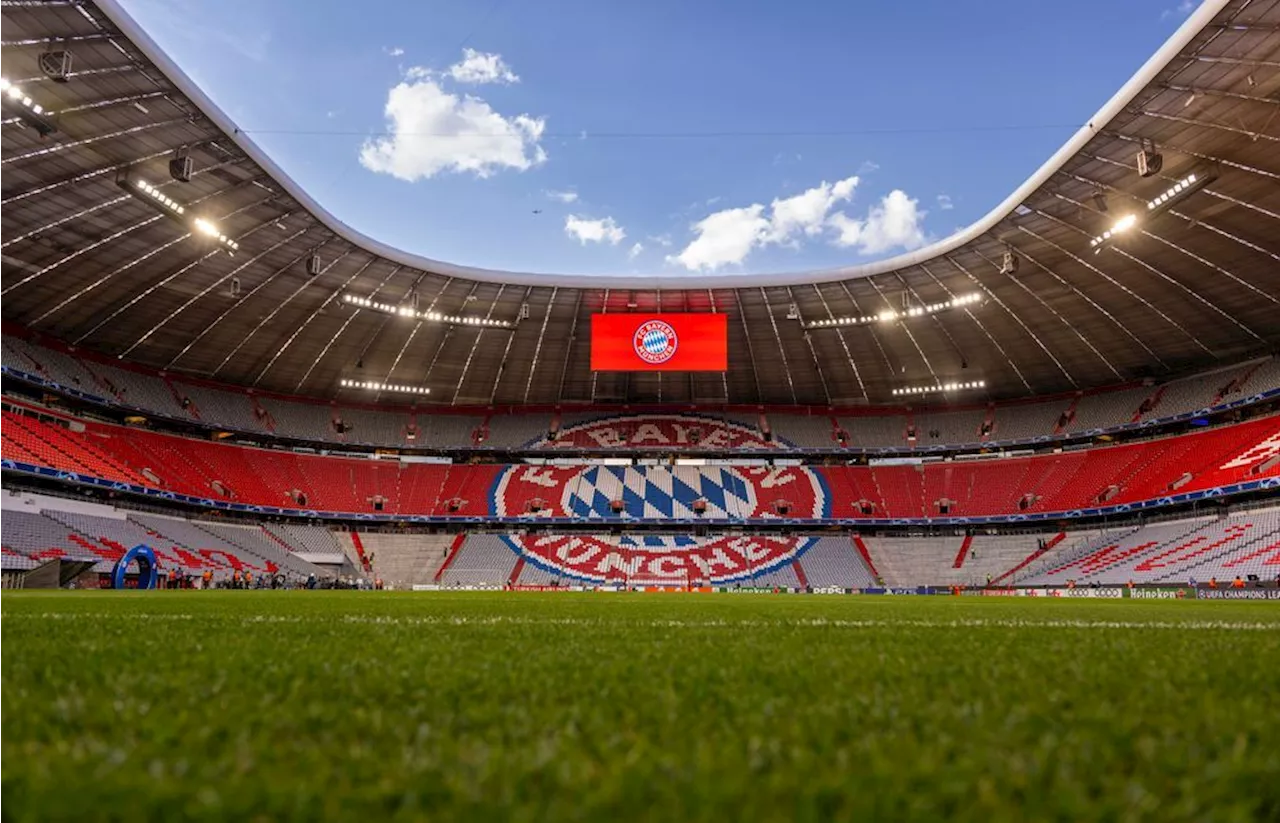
{"type": "Point", "coordinates": [837, 543]}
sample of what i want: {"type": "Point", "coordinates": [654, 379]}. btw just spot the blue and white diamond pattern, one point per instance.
{"type": "Point", "coordinates": [658, 492]}
{"type": "Point", "coordinates": [655, 341]}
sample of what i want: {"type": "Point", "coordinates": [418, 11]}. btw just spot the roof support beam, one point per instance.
{"type": "Point", "coordinates": [329, 343]}
{"type": "Point", "coordinates": [568, 352]}
{"type": "Point", "coordinates": [235, 305]}
{"type": "Point", "coordinates": [475, 344]}
{"type": "Point", "coordinates": [506, 352]}
{"type": "Point", "coordinates": [184, 236]}
{"type": "Point", "coordinates": [751, 355]}
{"type": "Point", "coordinates": [206, 290]}
{"type": "Point", "coordinates": [844, 344]}
{"type": "Point", "coordinates": [813, 353]}
{"type": "Point", "coordinates": [890, 370]}
{"type": "Point", "coordinates": [1071, 327]}
{"type": "Point", "coordinates": [906, 328]}
{"type": "Point", "coordinates": [1191, 293]}
{"type": "Point", "coordinates": [782, 350]}
{"type": "Point", "coordinates": [86, 141]}
{"type": "Point", "coordinates": [537, 349]}
{"type": "Point", "coordinates": [167, 279]}
{"type": "Point", "coordinates": [333, 295]}
{"type": "Point", "coordinates": [1013, 364]}
{"type": "Point", "coordinates": [1016, 318]}
{"type": "Point", "coordinates": [308, 283]}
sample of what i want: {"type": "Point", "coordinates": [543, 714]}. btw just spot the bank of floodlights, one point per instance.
{"type": "Point", "coordinates": [430, 316]}
{"type": "Point", "coordinates": [964, 385]}
{"type": "Point", "coordinates": [890, 315]}
{"type": "Point", "coordinates": [374, 385]}
{"type": "Point", "coordinates": [1180, 190]}
{"type": "Point", "coordinates": [29, 111]}
{"type": "Point", "coordinates": [157, 199]}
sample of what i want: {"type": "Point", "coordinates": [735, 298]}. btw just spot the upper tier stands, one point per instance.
{"type": "Point", "coordinates": [426, 427]}
{"type": "Point", "coordinates": [1061, 482]}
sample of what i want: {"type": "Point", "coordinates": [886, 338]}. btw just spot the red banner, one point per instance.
{"type": "Point", "coordinates": [659, 342]}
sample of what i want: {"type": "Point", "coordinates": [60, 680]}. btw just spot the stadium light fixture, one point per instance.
{"type": "Point", "coordinates": [431, 316]}
{"type": "Point", "coordinates": [890, 315]}
{"type": "Point", "coordinates": [374, 385]}
{"type": "Point", "coordinates": [1122, 225]}
{"type": "Point", "coordinates": [172, 208]}
{"type": "Point", "coordinates": [29, 111]}
{"type": "Point", "coordinates": [963, 385]}
{"type": "Point", "coordinates": [1180, 190]}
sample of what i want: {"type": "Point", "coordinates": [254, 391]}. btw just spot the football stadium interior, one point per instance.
{"type": "Point", "coordinates": [1078, 394]}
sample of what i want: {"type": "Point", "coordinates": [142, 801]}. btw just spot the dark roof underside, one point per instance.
{"type": "Point", "coordinates": [87, 262]}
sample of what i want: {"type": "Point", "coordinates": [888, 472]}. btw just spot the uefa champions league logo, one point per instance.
{"type": "Point", "coordinates": [655, 342]}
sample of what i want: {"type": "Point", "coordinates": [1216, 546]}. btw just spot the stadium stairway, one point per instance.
{"type": "Point", "coordinates": [358, 543]}
{"type": "Point", "coordinates": [1039, 552]}
{"type": "Point", "coordinates": [865, 554]}
{"type": "Point", "coordinates": [801, 578]}
{"type": "Point", "coordinates": [402, 561]}
{"type": "Point", "coordinates": [964, 551]}
{"type": "Point", "coordinates": [455, 546]}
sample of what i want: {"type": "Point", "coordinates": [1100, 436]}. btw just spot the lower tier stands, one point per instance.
{"type": "Point", "coordinates": [41, 528]}
{"type": "Point", "coordinates": [495, 560]}
{"type": "Point", "coordinates": [1059, 482]}
{"type": "Point", "coordinates": [35, 528]}
{"type": "Point", "coordinates": [1241, 544]}
{"type": "Point", "coordinates": [401, 560]}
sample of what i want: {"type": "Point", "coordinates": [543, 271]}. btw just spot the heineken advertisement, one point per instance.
{"type": "Point", "coordinates": [1162, 593]}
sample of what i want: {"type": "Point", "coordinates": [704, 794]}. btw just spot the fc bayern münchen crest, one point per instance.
{"type": "Point", "coordinates": [613, 494]}
{"type": "Point", "coordinates": [655, 342]}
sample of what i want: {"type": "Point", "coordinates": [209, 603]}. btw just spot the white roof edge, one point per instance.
{"type": "Point", "coordinates": [1175, 44]}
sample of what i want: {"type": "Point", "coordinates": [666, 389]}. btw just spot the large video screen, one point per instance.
{"type": "Point", "coordinates": [659, 342]}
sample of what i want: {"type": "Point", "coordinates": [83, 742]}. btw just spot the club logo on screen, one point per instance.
{"type": "Point", "coordinates": [655, 342]}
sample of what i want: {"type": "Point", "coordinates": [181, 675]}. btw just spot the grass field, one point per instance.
{"type": "Point", "coordinates": [530, 707]}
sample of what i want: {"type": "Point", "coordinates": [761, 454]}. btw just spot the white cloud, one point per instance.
{"type": "Point", "coordinates": [806, 213]}
{"type": "Point", "coordinates": [563, 196]}
{"type": "Point", "coordinates": [868, 167]}
{"type": "Point", "coordinates": [895, 222]}
{"type": "Point", "coordinates": [725, 237]}
{"type": "Point", "coordinates": [481, 67]}
{"type": "Point", "coordinates": [434, 131]}
{"type": "Point", "coordinates": [1183, 9]}
{"type": "Point", "coordinates": [604, 230]}
{"type": "Point", "coordinates": [394, 51]}
{"type": "Point", "coordinates": [944, 202]}
{"type": "Point", "coordinates": [634, 251]}
{"type": "Point", "coordinates": [663, 240]}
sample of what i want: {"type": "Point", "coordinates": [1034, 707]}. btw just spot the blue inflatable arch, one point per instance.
{"type": "Point", "coordinates": [147, 573]}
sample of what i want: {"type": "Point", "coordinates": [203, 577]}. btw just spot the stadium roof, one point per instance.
{"type": "Point", "coordinates": [1193, 283]}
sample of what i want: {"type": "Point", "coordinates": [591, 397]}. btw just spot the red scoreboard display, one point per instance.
{"type": "Point", "coordinates": [659, 342]}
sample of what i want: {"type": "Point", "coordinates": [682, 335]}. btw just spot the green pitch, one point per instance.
{"type": "Point", "coordinates": [524, 707]}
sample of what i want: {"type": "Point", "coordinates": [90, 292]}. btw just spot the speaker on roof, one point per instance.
{"type": "Point", "coordinates": [1150, 162]}
{"type": "Point", "coordinates": [56, 65]}
{"type": "Point", "coordinates": [313, 265]}
{"type": "Point", "coordinates": [181, 168]}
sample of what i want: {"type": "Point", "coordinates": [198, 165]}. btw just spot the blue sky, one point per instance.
{"type": "Point", "coordinates": [659, 137]}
